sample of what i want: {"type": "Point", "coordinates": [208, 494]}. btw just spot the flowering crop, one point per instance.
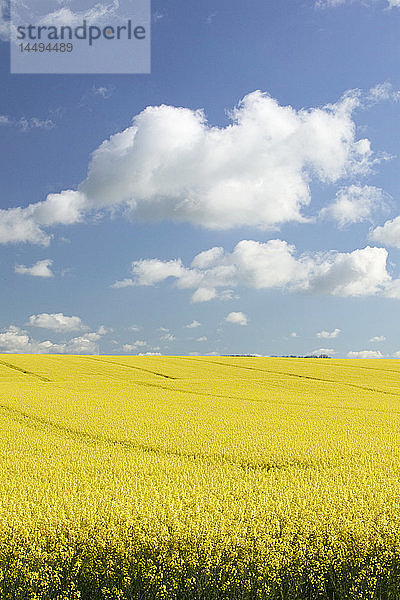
{"type": "Point", "coordinates": [199, 478]}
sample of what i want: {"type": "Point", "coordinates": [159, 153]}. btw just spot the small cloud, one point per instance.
{"type": "Point", "coordinates": [227, 295]}
{"type": "Point", "coordinates": [27, 123]}
{"type": "Point", "coordinates": [237, 318]}
{"type": "Point", "coordinates": [127, 282]}
{"type": "Point", "coordinates": [134, 346]}
{"type": "Point", "coordinates": [39, 269]}
{"type": "Point", "coordinates": [134, 328]}
{"type": "Point", "coordinates": [365, 354]}
{"type": "Point", "coordinates": [158, 15]}
{"type": "Point", "coordinates": [319, 351]}
{"type": "Point", "coordinates": [57, 322]}
{"type": "Point", "coordinates": [168, 337]}
{"type": "Point", "coordinates": [328, 335]}
{"type": "Point", "coordinates": [103, 91]}
{"type": "Point", "coordinates": [149, 354]}
{"type": "Point", "coordinates": [103, 331]}
{"type": "Point", "coordinates": [293, 334]}
{"type": "Point", "coordinates": [377, 338]}
{"type": "Point", "coordinates": [211, 18]}
{"type": "Point", "coordinates": [201, 339]}
{"type": "Point", "coordinates": [355, 204]}
{"type": "Point", "coordinates": [203, 295]}
{"type": "Point", "coordinates": [193, 325]}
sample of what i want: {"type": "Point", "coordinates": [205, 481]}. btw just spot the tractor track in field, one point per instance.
{"type": "Point", "coordinates": [45, 425]}
{"type": "Point", "coordinates": [113, 362]}
{"type": "Point", "coordinates": [297, 376]}
{"type": "Point", "coordinates": [25, 371]}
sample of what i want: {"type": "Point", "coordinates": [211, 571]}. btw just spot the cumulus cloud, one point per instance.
{"type": "Point", "coordinates": [17, 341]}
{"type": "Point", "coordinates": [134, 346]}
{"type": "Point", "coordinates": [168, 337]}
{"type": "Point", "coordinates": [365, 354]}
{"type": "Point", "coordinates": [328, 334]}
{"type": "Point", "coordinates": [377, 338]}
{"type": "Point", "coordinates": [84, 344]}
{"type": "Point", "coordinates": [328, 351]}
{"type": "Point", "coordinates": [193, 325]}
{"type": "Point", "coordinates": [57, 322]}
{"type": "Point", "coordinates": [172, 164]}
{"type": "Point", "coordinates": [387, 234]}
{"type": "Point", "coordinates": [237, 318]}
{"type": "Point", "coordinates": [26, 224]}
{"type": "Point", "coordinates": [40, 269]}
{"type": "Point", "coordinates": [355, 204]}
{"type": "Point", "coordinates": [272, 264]}
{"type": "Point", "coordinates": [203, 338]}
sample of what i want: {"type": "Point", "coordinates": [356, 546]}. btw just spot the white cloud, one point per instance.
{"type": "Point", "coordinates": [335, 3]}
{"type": "Point", "coordinates": [27, 123]}
{"type": "Point", "coordinates": [156, 270]}
{"type": "Point", "coordinates": [134, 328]}
{"type": "Point", "coordinates": [328, 351]}
{"type": "Point", "coordinates": [293, 334]}
{"type": "Point", "coordinates": [272, 264]}
{"type": "Point", "coordinates": [201, 339]}
{"type": "Point", "coordinates": [378, 338]}
{"type": "Point", "coordinates": [134, 346]}
{"type": "Point", "coordinates": [103, 331]}
{"type": "Point", "coordinates": [168, 337]}
{"type": "Point", "coordinates": [25, 224]}
{"type": "Point", "coordinates": [171, 164]}
{"type": "Point", "coordinates": [57, 322]}
{"type": "Point", "coordinates": [18, 341]}
{"type": "Point", "coordinates": [237, 318]}
{"type": "Point", "coordinates": [127, 282]}
{"type": "Point", "coordinates": [85, 344]}
{"type": "Point", "coordinates": [39, 269]}
{"type": "Point", "coordinates": [149, 354]}
{"type": "Point", "coordinates": [383, 91]}
{"type": "Point", "coordinates": [365, 354]}
{"type": "Point", "coordinates": [203, 294]}
{"type": "Point", "coordinates": [330, 3]}
{"type": "Point", "coordinates": [103, 91]}
{"type": "Point", "coordinates": [387, 234]}
{"type": "Point", "coordinates": [328, 334]}
{"type": "Point", "coordinates": [193, 325]}
{"type": "Point", "coordinates": [355, 204]}
{"type": "Point", "coordinates": [99, 13]}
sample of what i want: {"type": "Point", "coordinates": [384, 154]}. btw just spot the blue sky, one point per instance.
{"type": "Point", "coordinates": [254, 209]}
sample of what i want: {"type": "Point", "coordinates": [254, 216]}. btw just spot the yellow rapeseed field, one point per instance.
{"type": "Point", "coordinates": [199, 478]}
